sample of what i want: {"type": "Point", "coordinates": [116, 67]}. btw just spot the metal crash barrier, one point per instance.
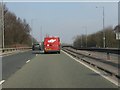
{"type": "Point", "coordinates": [2, 50]}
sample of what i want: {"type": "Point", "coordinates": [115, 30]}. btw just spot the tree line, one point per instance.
{"type": "Point", "coordinates": [16, 30]}
{"type": "Point", "coordinates": [96, 39]}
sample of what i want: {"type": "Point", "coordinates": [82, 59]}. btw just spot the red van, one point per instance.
{"type": "Point", "coordinates": [52, 44]}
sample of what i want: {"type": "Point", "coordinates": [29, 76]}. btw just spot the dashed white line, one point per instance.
{"type": "Point", "coordinates": [1, 82]}
{"type": "Point", "coordinates": [28, 61]}
{"type": "Point", "coordinates": [109, 79]}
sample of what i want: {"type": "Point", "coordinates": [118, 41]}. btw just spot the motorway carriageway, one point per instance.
{"type": "Point", "coordinates": [28, 70]}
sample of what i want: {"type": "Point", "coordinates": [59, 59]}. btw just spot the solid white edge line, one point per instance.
{"type": "Point", "coordinates": [28, 61]}
{"type": "Point", "coordinates": [1, 82]}
{"type": "Point", "coordinates": [109, 79]}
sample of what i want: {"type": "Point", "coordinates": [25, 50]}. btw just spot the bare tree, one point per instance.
{"type": "Point", "coordinates": [96, 39]}
{"type": "Point", "coordinates": [17, 31]}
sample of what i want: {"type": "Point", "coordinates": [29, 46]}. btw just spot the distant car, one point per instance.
{"type": "Point", "coordinates": [36, 47]}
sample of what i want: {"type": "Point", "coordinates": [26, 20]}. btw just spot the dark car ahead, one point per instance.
{"type": "Point", "coordinates": [36, 47]}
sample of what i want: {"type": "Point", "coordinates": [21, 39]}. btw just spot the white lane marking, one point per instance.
{"type": "Point", "coordinates": [28, 61]}
{"type": "Point", "coordinates": [36, 54]}
{"type": "Point", "coordinates": [1, 82]}
{"type": "Point", "coordinates": [109, 79]}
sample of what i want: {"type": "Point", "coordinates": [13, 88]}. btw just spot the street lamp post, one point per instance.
{"type": "Point", "coordinates": [2, 19]}
{"type": "Point", "coordinates": [32, 25]}
{"type": "Point", "coordinates": [41, 32]}
{"type": "Point", "coordinates": [86, 37]}
{"type": "Point", "coordinates": [85, 27]}
{"type": "Point", "coordinates": [81, 41]}
{"type": "Point", "coordinates": [0, 25]}
{"type": "Point", "coordinates": [104, 44]}
{"type": "Point", "coordinates": [32, 29]}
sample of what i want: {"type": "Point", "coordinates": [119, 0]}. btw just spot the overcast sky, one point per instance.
{"type": "Point", "coordinates": [65, 19]}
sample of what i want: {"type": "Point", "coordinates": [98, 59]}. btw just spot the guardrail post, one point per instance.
{"type": "Point", "coordinates": [3, 50]}
{"type": "Point", "coordinates": [108, 55]}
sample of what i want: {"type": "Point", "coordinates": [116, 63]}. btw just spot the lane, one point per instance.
{"type": "Point", "coordinates": [12, 63]}
{"type": "Point", "coordinates": [56, 71]}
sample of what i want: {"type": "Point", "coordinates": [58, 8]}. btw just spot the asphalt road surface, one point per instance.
{"type": "Point", "coordinates": [50, 71]}
{"type": "Point", "coordinates": [12, 63]}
